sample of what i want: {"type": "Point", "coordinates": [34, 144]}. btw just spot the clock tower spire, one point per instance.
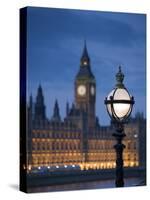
{"type": "Point", "coordinates": [85, 60]}
{"type": "Point", "coordinates": [85, 88]}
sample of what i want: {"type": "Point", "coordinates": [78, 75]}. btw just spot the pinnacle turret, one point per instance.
{"type": "Point", "coordinates": [67, 108]}
{"type": "Point", "coordinates": [56, 114]}
{"type": "Point", "coordinates": [39, 105]}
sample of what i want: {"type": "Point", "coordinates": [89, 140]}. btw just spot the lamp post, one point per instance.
{"type": "Point", "coordinates": [119, 105]}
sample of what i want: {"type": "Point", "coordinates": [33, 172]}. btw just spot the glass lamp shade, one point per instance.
{"type": "Point", "coordinates": [119, 104]}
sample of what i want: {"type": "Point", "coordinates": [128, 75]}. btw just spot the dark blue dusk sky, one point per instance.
{"type": "Point", "coordinates": [55, 44]}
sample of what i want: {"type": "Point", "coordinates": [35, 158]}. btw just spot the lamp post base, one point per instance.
{"type": "Point", "coordinates": [119, 147]}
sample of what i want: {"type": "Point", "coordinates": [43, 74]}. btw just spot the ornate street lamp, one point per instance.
{"type": "Point", "coordinates": [119, 105]}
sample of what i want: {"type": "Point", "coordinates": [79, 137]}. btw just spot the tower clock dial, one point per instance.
{"type": "Point", "coordinates": [81, 90]}
{"type": "Point", "coordinates": [92, 90]}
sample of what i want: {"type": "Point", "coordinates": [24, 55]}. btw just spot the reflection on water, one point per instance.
{"type": "Point", "coordinates": [85, 185]}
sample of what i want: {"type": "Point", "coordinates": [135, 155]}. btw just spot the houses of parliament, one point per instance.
{"type": "Point", "coordinates": [79, 139]}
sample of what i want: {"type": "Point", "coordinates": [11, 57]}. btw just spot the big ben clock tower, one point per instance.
{"type": "Point", "coordinates": [85, 88]}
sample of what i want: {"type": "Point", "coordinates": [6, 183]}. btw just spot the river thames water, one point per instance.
{"type": "Point", "coordinates": [85, 185]}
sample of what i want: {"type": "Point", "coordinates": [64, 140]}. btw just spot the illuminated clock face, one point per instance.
{"type": "Point", "coordinates": [81, 90]}
{"type": "Point", "coordinates": [92, 90]}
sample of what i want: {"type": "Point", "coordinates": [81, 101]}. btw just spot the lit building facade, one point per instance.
{"type": "Point", "coordinates": [79, 140]}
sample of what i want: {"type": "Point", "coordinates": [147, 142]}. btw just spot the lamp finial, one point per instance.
{"type": "Point", "coordinates": [120, 78]}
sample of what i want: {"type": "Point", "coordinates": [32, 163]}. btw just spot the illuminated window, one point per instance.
{"type": "Point", "coordinates": [85, 63]}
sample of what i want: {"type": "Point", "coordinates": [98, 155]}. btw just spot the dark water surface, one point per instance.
{"type": "Point", "coordinates": [86, 185]}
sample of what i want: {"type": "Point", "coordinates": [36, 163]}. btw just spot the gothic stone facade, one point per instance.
{"type": "Point", "coordinates": [79, 139]}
